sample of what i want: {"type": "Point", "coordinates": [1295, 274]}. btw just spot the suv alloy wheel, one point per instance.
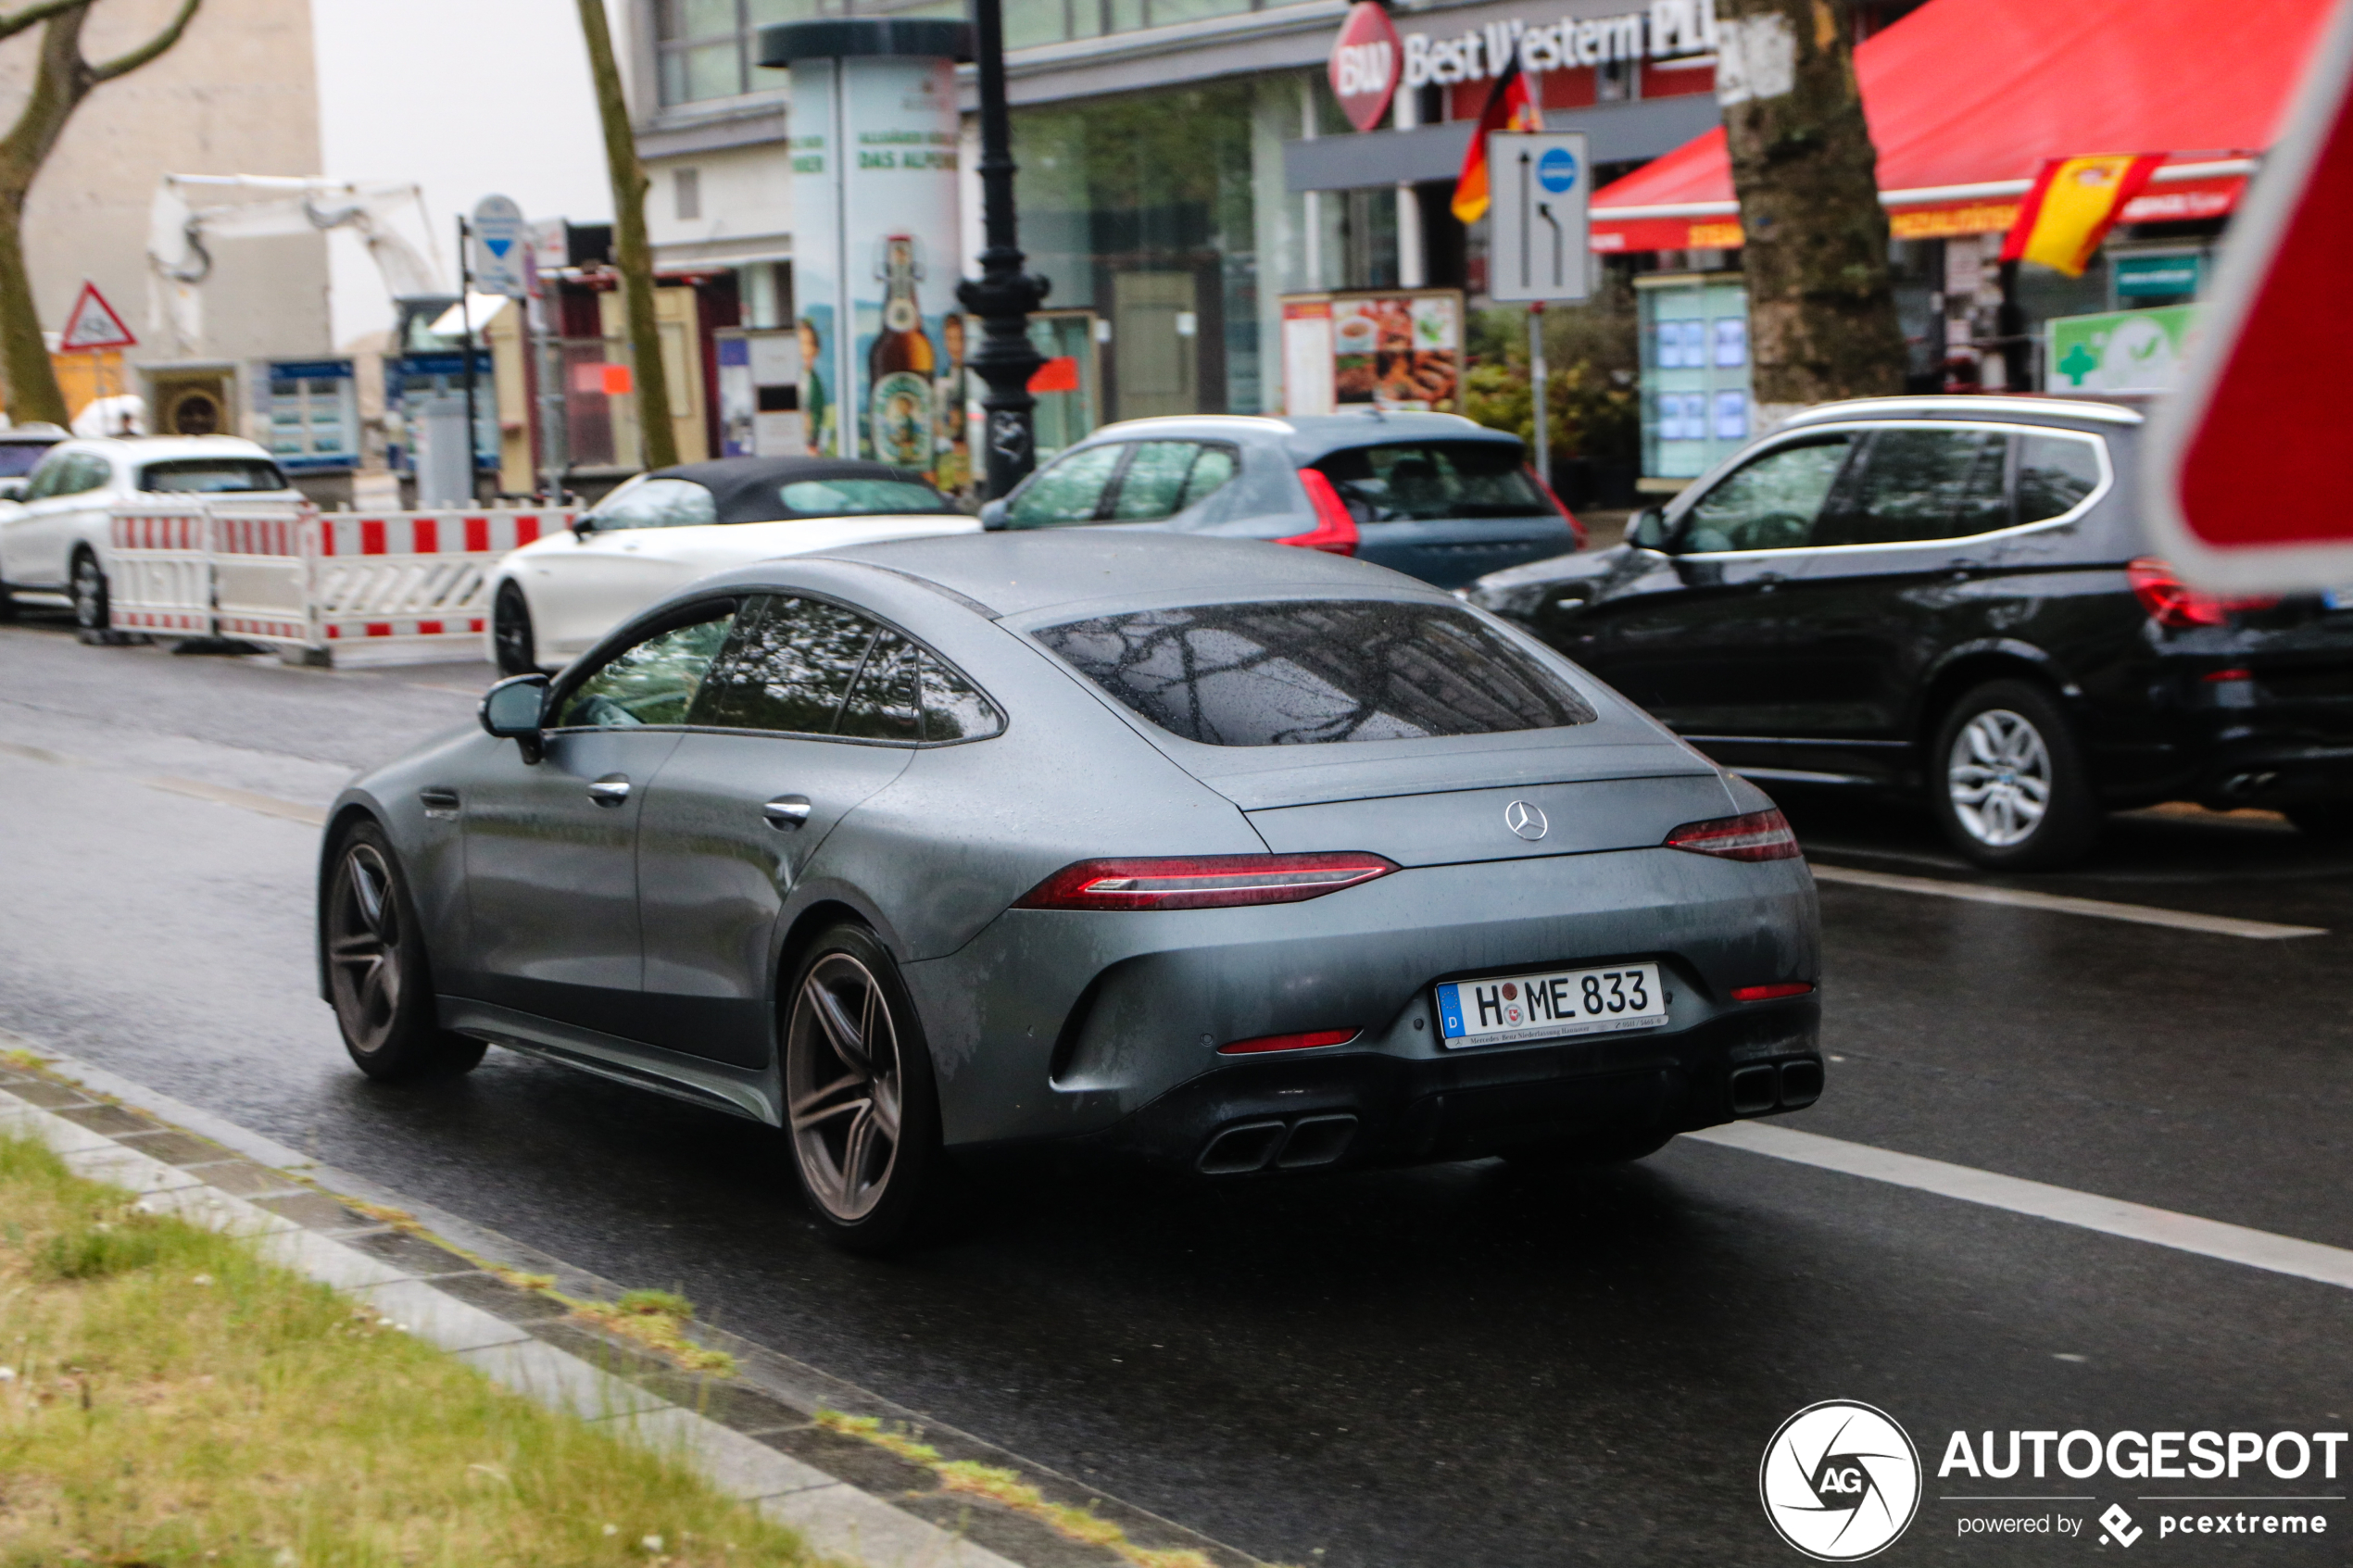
{"type": "Point", "coordinates": [2007, 780]}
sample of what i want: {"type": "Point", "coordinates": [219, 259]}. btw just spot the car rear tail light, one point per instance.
{"type": "Point", "coordinates": [2171, 605]}
{"type": "Point", "coordinates": [1772, 993]}
{"type": "Point", "coordinates": [1576, 529]}
{"type": "Point", "coordinates": [2216, 677]}
{"type": "Point", "coordinates": [1335, 531]}
{"type": "Point", "coordinates": [1759, 835]}
{"type": "Point", "coordinates": [1208, 882]}
{"type": "Point", "coordinates": [1306, 1042]}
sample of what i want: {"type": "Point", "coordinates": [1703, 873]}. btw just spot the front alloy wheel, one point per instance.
{"type": "Point", "coordinates": [510, 633]}
{"type": "Point", "coordinates": [858, 1092]}
{"type": "Point", "coordinates": [92, 609]}
{"type": "Point", "coordinates": [376, 972]}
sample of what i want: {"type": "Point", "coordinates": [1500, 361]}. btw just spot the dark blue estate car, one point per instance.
{"type": "Point", "coordinates": [1432, 495]}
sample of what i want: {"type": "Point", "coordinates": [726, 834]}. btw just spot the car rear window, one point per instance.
{"type": "Point", "coordinates": [210, 476]}
{"type": "Point", "coordinates": [1314, 672]}
{"type": "Point", "coordinates": [1423, 481]}
{"type": "Point", "coordinates": [860, 497]}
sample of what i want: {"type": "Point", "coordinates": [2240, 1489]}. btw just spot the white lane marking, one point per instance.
{"type": "Point", "coordinates": [2111, 1216]}
{"type": "Point", "coordinates": [2065, 904]}
{"type": "Point", "coordinates": [244, 799]}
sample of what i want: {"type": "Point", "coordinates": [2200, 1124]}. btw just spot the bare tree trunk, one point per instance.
{"type": "Point", "coordinates": [633, 256]}
{"type": "Point", "coordinates": [1822, 310]}
{"type": "Point", "coordinates": [61, 79]}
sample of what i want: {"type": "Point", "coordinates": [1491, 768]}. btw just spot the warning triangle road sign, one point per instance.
{"type": "Point", "coordinates": [92, 324]}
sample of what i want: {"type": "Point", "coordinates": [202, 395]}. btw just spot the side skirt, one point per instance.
{"type": "Point", "coordinates": [749, 1092]}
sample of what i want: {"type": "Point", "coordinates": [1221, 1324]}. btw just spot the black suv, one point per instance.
{"type": "Point", "coordinates": [1951, 595]}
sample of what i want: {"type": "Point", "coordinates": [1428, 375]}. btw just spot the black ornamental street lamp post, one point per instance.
{"type": "Point", "coordinates": [1003, 296]}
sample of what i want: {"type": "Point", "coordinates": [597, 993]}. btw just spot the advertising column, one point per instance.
{"type": "Point", "coordinates": [874, 146]}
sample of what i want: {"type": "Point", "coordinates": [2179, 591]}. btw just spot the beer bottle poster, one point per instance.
{"type": "Point", "coordinates": [874, 144]}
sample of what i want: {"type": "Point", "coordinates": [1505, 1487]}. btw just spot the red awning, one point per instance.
{"type": "Point", "coordinates": [1966, 98]}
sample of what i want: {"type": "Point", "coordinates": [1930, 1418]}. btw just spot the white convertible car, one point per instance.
{"type": "Point", "coordinates": [552, 599]}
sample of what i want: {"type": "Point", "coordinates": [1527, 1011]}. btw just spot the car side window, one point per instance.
{"type": "Point", "coordinates": [657, 502]}
{"type": "Point", "coordinates": [953, 707]}
{"type": "Point", "coordinates": [48, 477]}
{"type": "Point", "coordinates": [2054, 473]}
{"type": "Point", "coordinates": [886, 703]}
{"type": "Point", "coordinates": [787, 669]}
{"type": "Point", "coordinates": [1915, 484]}
{"type": "Point", "coordinates": [1069, 490]}
{"type": "Point", "coordinates": [654, 681]}
{"type": "Point", "coordinates": [1164, 476]}
{"type": "Point", "coordinates": [1769, 502]}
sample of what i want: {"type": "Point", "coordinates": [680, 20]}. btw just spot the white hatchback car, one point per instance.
{"type": "Point", "coordinates": [54, 540]}
{"type": "Point", "coordinates": [552, 599]}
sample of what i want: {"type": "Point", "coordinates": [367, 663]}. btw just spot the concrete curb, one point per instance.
{"type": "Point", "coordinates": [753, 1436]}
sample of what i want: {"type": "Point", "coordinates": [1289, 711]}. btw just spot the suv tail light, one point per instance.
{"type": "Point", "coordinates": [1759, 835]}
{"type": "Point", "coordinates": [1335, 531]}
{"type": "Point", "coordinates": [1205, 881]}
{"type": "Point", "coordinates": [1576, 529]}
{"type": "Point", "coordinates": [2172, 605]}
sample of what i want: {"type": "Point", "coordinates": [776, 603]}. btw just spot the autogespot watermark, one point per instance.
{"type": "Point", "coordinates": [1841, 1481]}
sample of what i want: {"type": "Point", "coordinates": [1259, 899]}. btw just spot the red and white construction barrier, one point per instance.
{"type": "Point", "coordinates": [349, 587]}
{"type": "Point", "coordinates": [159, 581]}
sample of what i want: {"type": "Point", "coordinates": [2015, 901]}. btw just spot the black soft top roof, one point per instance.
{"type": "Point", "coordinates": [745, 489]}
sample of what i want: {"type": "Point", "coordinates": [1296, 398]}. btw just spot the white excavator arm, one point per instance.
{"type": "Point", "coordinates": [180, 233]}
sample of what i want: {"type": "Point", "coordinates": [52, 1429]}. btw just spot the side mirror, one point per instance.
{"type": "Point", "coordinates": [992, 516]}
{"type": "Point", "coordinates": [1649, 529]}
{"type": "Point", "coordinates": [11, 489]}
{"type": "Point", "coordinates": [515, 709]}
{"type": "Point", "coordinates": [583, 525]}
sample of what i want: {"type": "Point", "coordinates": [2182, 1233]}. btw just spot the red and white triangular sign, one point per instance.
{"type": "Point", "coordinates": [92, 324]}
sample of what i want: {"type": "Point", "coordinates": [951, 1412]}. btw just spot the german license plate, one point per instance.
{"type": "Point", "coordinates": [1550, 1007]}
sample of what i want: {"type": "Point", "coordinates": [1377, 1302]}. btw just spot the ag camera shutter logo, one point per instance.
{"type": "Point", "coordinates": [1840, 1481]}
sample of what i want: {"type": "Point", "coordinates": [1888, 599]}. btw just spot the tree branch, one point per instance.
{"type": "Point", "coordinates": [123, 65]}
{"type": "Point", "coordinates": [33, 16]}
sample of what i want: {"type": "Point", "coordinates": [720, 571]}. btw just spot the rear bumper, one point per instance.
{"type": "Point", "coordinates": [1364, 1108]}
{"type": "Point", "coordinates": [1065, 1024]}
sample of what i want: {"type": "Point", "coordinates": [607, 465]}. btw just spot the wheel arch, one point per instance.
{"type": "Point", "coordinates": [1972, 665]}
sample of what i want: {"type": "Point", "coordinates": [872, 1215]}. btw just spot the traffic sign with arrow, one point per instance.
{"type": "Point", "coordinates": [92, 325]}
{"type": "Point", "coordinates": [1537, 245]}
{"type": "Point", "coordinates": [499, 240]}
{"type": "Point", "coordinates": [2242, 469]}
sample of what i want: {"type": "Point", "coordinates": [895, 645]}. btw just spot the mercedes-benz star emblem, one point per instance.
{"type": "Point", "coordinates": [1526, 819]}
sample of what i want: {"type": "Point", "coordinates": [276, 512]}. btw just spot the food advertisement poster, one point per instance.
{"type": "Point", "coordinates": [874, 147]}
{"type": "Point", "coordinates": [1398, 350]}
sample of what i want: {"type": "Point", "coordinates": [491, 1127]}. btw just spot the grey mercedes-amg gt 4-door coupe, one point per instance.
{"type": "Point", "coordinates": [1242, 858]}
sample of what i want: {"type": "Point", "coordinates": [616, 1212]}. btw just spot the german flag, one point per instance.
{"type": "Point", "coordinates": [2074, 203]}
{"type": "Point", "coordinates": [1508, 108]}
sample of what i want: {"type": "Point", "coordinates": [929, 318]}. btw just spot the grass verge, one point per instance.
{"type": "Point", "coordinates": [169, 1400]}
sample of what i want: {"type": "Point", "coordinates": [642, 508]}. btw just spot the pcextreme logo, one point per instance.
{"type": "Point", "coordinates": [1840, 1481]}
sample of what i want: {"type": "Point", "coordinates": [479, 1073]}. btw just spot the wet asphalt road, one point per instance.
{"type": "Point", "coordinates": [1441, 1368]}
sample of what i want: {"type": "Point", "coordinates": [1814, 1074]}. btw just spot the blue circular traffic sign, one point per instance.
{"type": "Point", "coordinates": [1556, 170]}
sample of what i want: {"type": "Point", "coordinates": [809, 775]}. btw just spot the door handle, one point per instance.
{"type": "Point", "coordinates": [787, 812]}
{"type": "Point", "coordinates": [610, 790]}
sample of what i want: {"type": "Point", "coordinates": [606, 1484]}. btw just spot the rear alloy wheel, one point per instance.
{"type": "Point", "coordinates": [2008, 781]}
{"type": "Point", "coordinates": [511, 634]}
{"type": "Point", "coordinates": [91, 609]}
{"type": "Point", "coordinates": [861, 1107]}
{"type": "Point", "coordinates": [376, 972]}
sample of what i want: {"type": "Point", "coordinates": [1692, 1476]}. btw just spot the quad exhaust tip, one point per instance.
{"type": "Point", "coordinates": [1287, 1145]}
{"type": "Point", "coordinates": [1766, 1086]}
